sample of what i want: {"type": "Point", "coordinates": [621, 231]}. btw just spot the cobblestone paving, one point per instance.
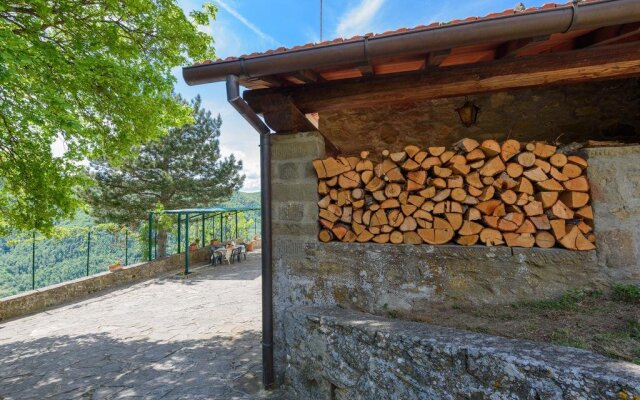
{"type": "Point", "coordinates": [169, 338]}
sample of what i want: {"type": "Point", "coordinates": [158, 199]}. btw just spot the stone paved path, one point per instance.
{"type": "Point", "coordinates": [169, 338]}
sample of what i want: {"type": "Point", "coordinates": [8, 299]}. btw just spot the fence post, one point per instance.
{"type": "Point", "coordinates": [186, 245]}
{"type": "Point", "coordinates": [150, 229]}
{"type": "Point", "coordinates": [88, 250]}
{"type": "Point", "coordinates": [179, 229]}
{"type": "Point", "coordinates": [126, 247]}
{"type": "Point", "coordinates": [203, 233]}
{"type": "Point", "coordinates": [33, 261]}
{"type": "Point", "coordinates": [236, 226]}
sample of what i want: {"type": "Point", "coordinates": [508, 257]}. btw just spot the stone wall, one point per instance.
{"type": "Point", "coordinates": [614, 173]}
{"type": "Point", "coordinates": [608, 110]}
{"type": "Point", "coordinates": [50, 296]}
{"type": "Point", "coordinates": [338, 354]}
{"type": "Point", "coordinates": [402, 279]}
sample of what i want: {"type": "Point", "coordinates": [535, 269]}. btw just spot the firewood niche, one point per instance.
{"type": "Point", "coordinates": [510, 193]}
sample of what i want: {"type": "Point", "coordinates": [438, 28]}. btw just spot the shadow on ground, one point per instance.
{"type": "Point", "coordinates": [98, 366]}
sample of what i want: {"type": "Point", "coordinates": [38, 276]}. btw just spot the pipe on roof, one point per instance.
{"type": "Point", "coordinates": [500, 29]}
{"type": "Point", "coordinates": [233, 96]}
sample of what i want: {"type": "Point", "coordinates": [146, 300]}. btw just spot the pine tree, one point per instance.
{"type": "Point", "coordinates": [183, 169]}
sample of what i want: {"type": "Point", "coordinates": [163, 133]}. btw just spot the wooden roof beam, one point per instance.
{"type": "Point", "coordinates": [435, 58]}
{"type": "Point", "coordinates": [512, 48]}
{"type": "Point", "coordinates": [606, 62]}
{"type": "Point", "coordinates": [623, 33]}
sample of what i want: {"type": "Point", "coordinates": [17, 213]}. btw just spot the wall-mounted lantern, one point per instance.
{"type": "Point", "coordinates": [468, 113]}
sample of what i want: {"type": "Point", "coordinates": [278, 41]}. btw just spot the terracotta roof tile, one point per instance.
{"type": "Point", "coordinates": [433, 25]}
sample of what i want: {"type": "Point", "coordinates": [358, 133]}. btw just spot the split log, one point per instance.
{"type": "Point", "coordinates": [557, 175]}
{"type": "Point", "coordinates": [454, 219]}
{"type": "Point", "coordinates": [392, 190]}
{"type": "Point", "coordinates": [526, 159]}
{"type": "Point", "coordinates": [571, 170]}
{"type": "Point", "coordinates": [398, 157]}
{"type": "Point", "coordinates": [585, 212]}
{"type": "Point", "coordinates": [475, 155]}
{"type": "Point", "coordinates": [492, 167]}
{"type": "Point", "coordinates": [558, 160]}
{"type": "Point", "coordinates": [491, 237]}
{"type": "Point", "coordinates": [470, 228]}
{"type": "Point", "coordinates": [533, 208]}
{"type": "Point", "coordinates": [441, 233]}
{"type": "Point", "coordinates": [349, 180]}
{"type": "Point", "coordinates": [468, 240]}
{"type": "Point", "coordinates": [541, 222]}
{"type": "Point", "coordinates": [547, 199]}
{"type": "Point", "coordinates": [544, 150]}
{"type": "Point", "coordinates": [509, 149]}
{"type": "Point", "coordinates": [536, 174]}
{"type": "Point", "coordinates": [575, 199]}
{"type": "Point", "coordinates": [436, 151]}
{"type": "Point", "coordinates": [579, 161]}
{"type": "Point", "coordinates": [456, 181]}
{"type": "Point", "coordinates": [514, 170]}
{"type": "Point", "coordinates": [526, 227]}
{"type": "Point", "coordinates": [519, 239]}
{"type": "Point", "coordinates": [408, 225]}
{"type": "Point", "coordinates": [467, 145]}
{"type": "Point", "coordinates": [490, 147]}
{"type": "Point", "coordinates": [545, 240]}
{"type": "Point", "coordinates": [558, 227]}
{"type": "Point", "coordinates": [365, 236]}
{"type": "Point", "coordinates": [411, 150]}
{"type": "Point", "coordinates": [381, 238]}
{"type": "Point", "coordinates": [543, 165]}
{"type": "Point", "coordinates": [550, 185]}
{"type": "Point", "coordinates": [524, 186]}
{"type": "Point", "coordinates": [411, 237]}
{"type": "Point", "coordinates": [325, 235]}
{"type": "Point", "coordinates": [560, 210]}
{"type": "Point", "coordinates": [579, 184]}
{"type": "Point", "coordinates": [396, 237]}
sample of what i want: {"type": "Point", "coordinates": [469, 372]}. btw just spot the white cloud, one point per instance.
{"type": "Point", "coordinates": [246, 22]}
{"type": "Point", "coordinates": [359, 19]}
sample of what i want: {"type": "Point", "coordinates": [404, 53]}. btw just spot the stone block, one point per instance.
{"type": "Point", "coordinates": [308, 145]}
{"type": "Point", "coordinates": [287, 171]}
{"type": "Point", "coordinates": [288, 211]}
{"type": "Point", "coordinates": [361, 356]}
{"type": "Point", "coordinates": [301, 192]}
{"type": "Point", "coordinates": [294, 229]}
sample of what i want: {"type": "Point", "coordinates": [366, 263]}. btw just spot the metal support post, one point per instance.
{"type": "Point", "coordinates": [88, 250]}
{"type": "Point", "coordinates": [186, 245]}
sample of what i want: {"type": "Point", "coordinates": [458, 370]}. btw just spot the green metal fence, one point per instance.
{"type": "Point", "coordinates": [33, 261]}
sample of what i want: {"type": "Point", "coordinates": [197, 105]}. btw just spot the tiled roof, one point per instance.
{"type": "Point", "coordinates": [506, 13]}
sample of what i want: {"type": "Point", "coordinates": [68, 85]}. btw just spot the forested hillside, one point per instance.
{"type": "Point", "coordinates": [64, 256]}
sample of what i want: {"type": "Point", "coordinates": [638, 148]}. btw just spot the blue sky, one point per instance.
{"type": "Point", "coordinates": [246, 26]}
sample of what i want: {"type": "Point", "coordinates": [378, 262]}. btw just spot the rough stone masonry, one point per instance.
{"type": "Point", "coordinates": [337, 354]}
{"type": "Point", "coordinates": [381, 279]}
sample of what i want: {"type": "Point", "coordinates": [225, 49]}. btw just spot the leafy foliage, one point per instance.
{"type": "Point", "coordinates": [626, 292]}
{"type": "Point", "coordinates": [183, 169]}
{"type": "Point", "coordinates": [93, 74]}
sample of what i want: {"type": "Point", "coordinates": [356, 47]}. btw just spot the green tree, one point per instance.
{"type": "Point", "coordinates": [95, 75]}
{"type": "Point", "coordinates": [182, 169]}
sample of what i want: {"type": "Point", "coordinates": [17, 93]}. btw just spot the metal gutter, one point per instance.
{"type": "Point", "coordinates": [233, 97]}
{"type": "Point", "coordinates": [500, 29]}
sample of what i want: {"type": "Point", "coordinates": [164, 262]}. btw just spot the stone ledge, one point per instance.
{"type": "Point", "coordinates": [53, 295]}
{"type": "Point", "coordinates": [357, 355]}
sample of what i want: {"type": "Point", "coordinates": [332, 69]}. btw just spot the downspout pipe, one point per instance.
{"type": "Point", "coordinates": [233, 96]}
{"type": "Point", "coordinates": [542, 22]}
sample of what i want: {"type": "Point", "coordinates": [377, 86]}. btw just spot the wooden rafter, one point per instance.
{"type": "Point", "coordinates": [606, 62]}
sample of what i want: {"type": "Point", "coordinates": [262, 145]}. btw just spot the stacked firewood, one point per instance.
{"type": "Point", "coordinates": [521, 195]}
